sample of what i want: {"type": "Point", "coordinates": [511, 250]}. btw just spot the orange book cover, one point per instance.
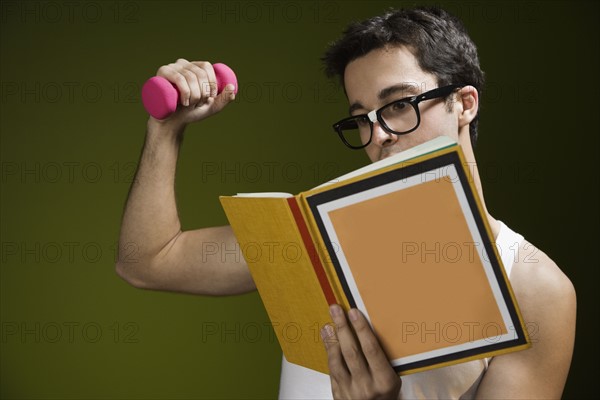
{"type": "Point", "coordinates": [408, 245]}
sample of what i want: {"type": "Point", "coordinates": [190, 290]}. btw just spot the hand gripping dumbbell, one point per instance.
{"type": "Point", "coordinates": [160, 97]}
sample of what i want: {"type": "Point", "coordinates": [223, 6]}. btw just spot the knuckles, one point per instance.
{"type": "Point", "coordinates": [340, 324]}
{"type": "Point", "coordinates": [189, 74]}
{"type": "Point", "coordinates": [352, 354]}
{"type": "Point", "coordinates": [162, 70]}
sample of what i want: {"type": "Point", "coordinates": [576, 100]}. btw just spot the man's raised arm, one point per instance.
{"type": "Point", "coordinates": [153, 251]}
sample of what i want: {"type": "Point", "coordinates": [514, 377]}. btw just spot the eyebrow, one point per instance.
{"type": "Point", "coordinates": [410, 89]}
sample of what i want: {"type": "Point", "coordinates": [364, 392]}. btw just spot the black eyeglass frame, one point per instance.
{"type": "Point", "coordinates": [414, 101]}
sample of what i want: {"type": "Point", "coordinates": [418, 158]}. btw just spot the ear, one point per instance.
{"type": "Point", "coordinates": [469, 99]}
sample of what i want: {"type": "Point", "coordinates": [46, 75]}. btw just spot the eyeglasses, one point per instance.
{"type": "Point", "coordinates": [398, 117]}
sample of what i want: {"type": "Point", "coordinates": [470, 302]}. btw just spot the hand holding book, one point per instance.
{"type": "Point", "coordinates": [358, 365]}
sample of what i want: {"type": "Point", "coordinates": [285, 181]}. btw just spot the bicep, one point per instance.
{"type": "Point", "coordinates": [204, 261]}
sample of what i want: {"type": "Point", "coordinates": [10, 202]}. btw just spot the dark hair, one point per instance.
{"type": "Point", "coordinates": [437, 39]}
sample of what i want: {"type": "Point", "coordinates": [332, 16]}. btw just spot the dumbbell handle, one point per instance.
{"type": "Point", "coordinates": [160, 97]}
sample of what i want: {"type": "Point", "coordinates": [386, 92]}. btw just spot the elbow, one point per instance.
{"type": "Point", "coordinates": [130, 274]}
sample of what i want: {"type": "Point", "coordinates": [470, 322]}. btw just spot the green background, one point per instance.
{"type": "Point", "coordinates": [72, 130]}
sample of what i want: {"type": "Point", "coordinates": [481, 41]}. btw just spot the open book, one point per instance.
{"type": "Point", "coordinates": [405, 240]}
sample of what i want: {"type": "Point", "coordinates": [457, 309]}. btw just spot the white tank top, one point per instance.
{"type": "Point", "coordinates": [453, 382]}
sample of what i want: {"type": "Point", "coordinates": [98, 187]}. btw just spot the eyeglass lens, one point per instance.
{"type": "Point", "coordinates": [399, 117]}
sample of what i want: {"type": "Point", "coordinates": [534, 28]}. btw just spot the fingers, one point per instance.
{"type": "Point", "coordinates": [212, 78]}
{"type": "Point", "coordinates": [358, 368]}
{"type": "Point", "coordinates": [210, 105]}
{"type": "Point", "coordinates": [348, 344]}
{"type": "Point", "coordinates": [195, 81]}
{"type": "Point", "coordinates": [374, 354]}
{"type": "Point", "coordinates": [337, 366]}
{"type": "Point", "coordinates": [224, 98]}
{"type": "Point", "coordinates": [356, 354]}
{"type": "Point", "coordinates": [197, 86]}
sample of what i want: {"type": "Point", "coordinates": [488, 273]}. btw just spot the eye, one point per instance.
{"type": "Point", "coordinates": [363, 120]}
{"type": "Point", "coordinates": [399, 106]}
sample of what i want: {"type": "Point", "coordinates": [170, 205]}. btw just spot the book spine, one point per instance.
{"type": "Point", "coordinates": [312, 251]}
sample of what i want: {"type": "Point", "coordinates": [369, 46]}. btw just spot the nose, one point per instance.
{"type": "Point", "coordinates": [382, 138]}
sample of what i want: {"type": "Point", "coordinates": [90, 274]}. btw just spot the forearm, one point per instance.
{"type": "Point", "coordinates": [150, 220]}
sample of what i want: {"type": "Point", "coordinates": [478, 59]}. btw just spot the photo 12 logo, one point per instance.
{"type": "Point", "coordinates": [27, 332]}
{"type": "Point", "coordinates": [69, 12]}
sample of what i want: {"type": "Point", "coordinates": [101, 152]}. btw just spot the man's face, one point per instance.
{"type": "Point", "coordinates": [389, 74]}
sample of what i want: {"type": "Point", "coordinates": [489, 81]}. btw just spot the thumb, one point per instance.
{"type": "Point", "coordinates": [223, 98]}
{"type": "Point", "coordinates": [211, 105]}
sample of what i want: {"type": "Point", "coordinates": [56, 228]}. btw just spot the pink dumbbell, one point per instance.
{"type": "Point", "coordinates": [160, 97]}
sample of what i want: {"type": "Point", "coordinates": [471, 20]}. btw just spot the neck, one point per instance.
{"type": "Point", "coordinates": [465, 142]}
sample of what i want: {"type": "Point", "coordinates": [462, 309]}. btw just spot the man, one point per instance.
{"type": "Point", "coordinates": [397, 56]}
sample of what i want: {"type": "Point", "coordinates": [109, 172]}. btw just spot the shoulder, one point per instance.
{"type": "Point", "coordinates": [545, 295]}
{"type": "Point", "coordinates": [547, 300]}
{"type": "Point", "coordinates": [538, 282]}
